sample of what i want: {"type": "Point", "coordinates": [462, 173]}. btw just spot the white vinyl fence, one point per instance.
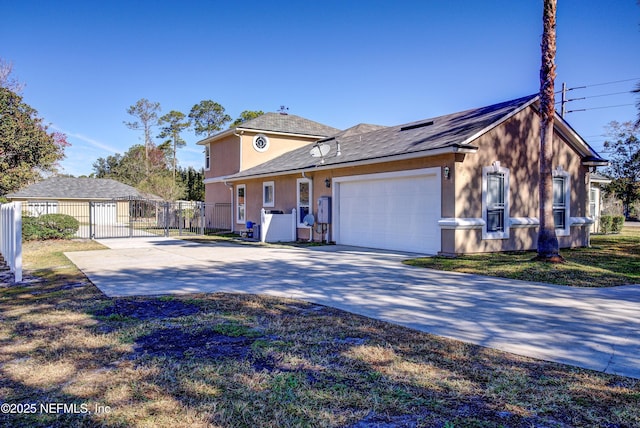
{"type": "Point", "coordinates": [11, 237]}
{"type": "Point", "coordinates": [278, 227]}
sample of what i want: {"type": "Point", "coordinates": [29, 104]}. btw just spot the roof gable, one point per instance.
{"type": "Point", "coordinates": [278, 123]}
{"type": "Point", "coordinates": [78, 188]}
{"type": "Point", "coordinates": [289, 124]}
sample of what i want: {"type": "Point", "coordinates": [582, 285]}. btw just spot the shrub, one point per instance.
{"type": "Point", "coordinates": [611, 223]}
{"type": "Point", "coordinates": [49, 226]}
{"type": "Point", "coordinates": [617, 223]}
{"type": "Point", "coordinates": [606, 221]}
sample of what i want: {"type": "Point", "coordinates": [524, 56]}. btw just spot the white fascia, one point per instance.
{"type": "Point", "coordinates": [404, 156]}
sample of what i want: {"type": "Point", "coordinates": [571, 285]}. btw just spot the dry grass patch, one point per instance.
{"type": "Point", "coordinates": [227, 360]}
{"type": "Point", "coordinates": [612, 260]}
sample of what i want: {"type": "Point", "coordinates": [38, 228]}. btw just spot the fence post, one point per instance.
{"type": "Point", "coordinates": [17, 225]}
{"type": "Point", "coordinates": [91, 231]}
{"type": "Point", "coordinates": [166, 219]}
{"type": "Point", "coordinates": [201, 218]}
{"type": "Point", "coordinates": [11, 234]}
{"type": "Point", "coordinates": [131, 208]}
{"type": "Point", "coordinates": [294, 224]}
{"type": "Point", "coordinates": [180, 218]}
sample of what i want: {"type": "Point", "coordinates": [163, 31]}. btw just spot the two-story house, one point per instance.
{"type": "Point", "coordinates": [245, 146]}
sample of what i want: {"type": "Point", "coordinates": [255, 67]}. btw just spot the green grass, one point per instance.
{"type": "Point", "coordinates": [612, 260]}
{"type": "Point", "coordinates": [238, 360]}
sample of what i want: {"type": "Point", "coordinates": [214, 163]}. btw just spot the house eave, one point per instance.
{"type": "Point", "coordinates": [234, 131]}
{"type": "Point", "coordinates": [457, 148]}
{"type": "Point", "coordinates": [595, 163]}
{"type": "Point", "coordinates": [500, 121]}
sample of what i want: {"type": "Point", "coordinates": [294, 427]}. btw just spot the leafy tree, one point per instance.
{"type": "Point", "coordinates": [147, 114]}
{"type": "Point", "coordinates": [548, 246]}
{"type": "Point", "coordinates": [246, 116]}
{"type": "Point", "coordinates": [27, 149]}
{"type": "Point", "coordinates": [623, 148]}
{"type": "Point", "coordinates": [193, 181]}
{"type": "Point", "coordinates": [6, 80]}
{"type": "Point", "coordinates": [208, 117]}
{"type": "Point", "coordinates": [174, 123]}
{"type": "Point", "coordinates": [162, 184]}
{"type": "Point", "coordinates": [130, 168]}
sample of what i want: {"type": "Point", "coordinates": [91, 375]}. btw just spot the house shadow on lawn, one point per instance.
{"type": "Point", "coordinates": [250, 360]}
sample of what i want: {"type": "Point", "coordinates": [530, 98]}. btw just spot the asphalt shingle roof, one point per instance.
{"type": "Point", "coordinates": [288, 123]}
{"type": "Point", "coordinates": [452, 130]}
{"type": "Point", "coordinates": [78, 188]}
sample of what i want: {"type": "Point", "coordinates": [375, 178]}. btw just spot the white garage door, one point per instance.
{"type": "Point", "coordinates": [394, 211]}
{"type": "Point", "coordinates": [104, 213]}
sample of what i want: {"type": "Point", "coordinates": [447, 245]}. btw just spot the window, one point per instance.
{"type": "Point", "coordinates": [261, 143]}
{"type": "Point", "coordinates": [268, 194]}
{"type": "Point", "coordinates": [593, 201]}
{"type": "Point", "coordinates": [561, 197]}
{"type": "Point", "coordinates": [495, 202]}
{"type": "Point", "coordinates": [207, 157]}
{"type": "Point", "coordinates": [240, 203]}
{"type": "Point", "coordinates": [305, 189]}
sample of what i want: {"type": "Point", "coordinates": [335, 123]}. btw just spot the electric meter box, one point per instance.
{"type": "Point", "coordinates": [324, 209]}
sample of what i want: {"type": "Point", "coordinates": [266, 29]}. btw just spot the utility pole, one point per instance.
{"type": "Point", "coordinates": [564, 99]}
{"type": "Point", "coordinates": [563, 109]}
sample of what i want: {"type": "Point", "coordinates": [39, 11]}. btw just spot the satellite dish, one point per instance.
{"type": "Point", "coordinates": [309, 220]}
{"type": "Point", "coordinates": [320, 150]}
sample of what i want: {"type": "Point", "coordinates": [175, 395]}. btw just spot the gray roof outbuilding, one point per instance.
{"type": "Point", "coordinates": [79, 188]}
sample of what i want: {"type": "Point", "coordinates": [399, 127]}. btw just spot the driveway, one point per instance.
{"type": "Point", "coordinates": [593, 328]}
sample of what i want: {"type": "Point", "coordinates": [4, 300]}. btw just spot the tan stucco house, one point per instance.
{"type": "Point", "coordinates": [245, 146]}
{"type": "Point", "coordinates": [465, 182]}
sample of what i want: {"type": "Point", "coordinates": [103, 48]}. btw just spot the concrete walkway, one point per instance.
{"type": "Point", "coordinates": [593, 328]}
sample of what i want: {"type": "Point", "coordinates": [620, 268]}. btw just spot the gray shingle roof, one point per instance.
{"type": "Point", "coordinates": [288, 123]}
{"type": "Point", "coordinates": [448, 131]}
{"type": "Point", "coordinates": [78, 188]}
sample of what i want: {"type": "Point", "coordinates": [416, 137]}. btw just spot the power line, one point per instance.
{"type": "Point", "coordinates": [605, 95]}
{"type": "Point", "coordinates": [564, 99]}
{"type": "Point", "coordinates": [598, 108]}
{"type": "Point", "coordinates": [611, 83]}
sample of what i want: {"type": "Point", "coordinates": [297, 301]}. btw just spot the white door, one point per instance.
{"type": "Point", "coordinates": [394, 211]}
{"type": "Point", "coordinates": [104, 213]}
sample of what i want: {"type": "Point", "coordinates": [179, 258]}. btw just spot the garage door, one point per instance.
{"type": "Point", "coordinates": [394, 211]}
{"type": "Point", "coordinates": [104, 213]}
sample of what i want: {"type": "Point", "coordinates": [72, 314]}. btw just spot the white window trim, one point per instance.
{"type": "Point", "coordinates": [238, 219]}
{"type": "Point", "coordinates": [559, 172]}
{"type": "Point", "coordinates": [207, 157]}
{"type": "Point", "coordinates": [495, 168]}
{"type": "Point", "coordinates": [266, 203]}
{"type": "Point", "coordinates": [298, 181]}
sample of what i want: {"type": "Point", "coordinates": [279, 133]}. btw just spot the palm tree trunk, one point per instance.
{"type": "Point", "coordinates": [548, 248]}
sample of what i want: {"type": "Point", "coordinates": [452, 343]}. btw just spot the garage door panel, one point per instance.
{"type": "Point", "coordinates": [391, 213]}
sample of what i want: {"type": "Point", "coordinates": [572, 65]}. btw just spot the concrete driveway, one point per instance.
{"type": "Point", "coordinates": [592, 328]}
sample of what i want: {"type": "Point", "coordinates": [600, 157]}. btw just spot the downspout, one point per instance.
{"type": "Point", "coordinates": [230, 186]}
{"type": "Point", "coordinates": [239, 136]}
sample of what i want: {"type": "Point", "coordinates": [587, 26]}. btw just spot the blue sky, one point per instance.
{"type": "Point", "coordinates": [336, 62]}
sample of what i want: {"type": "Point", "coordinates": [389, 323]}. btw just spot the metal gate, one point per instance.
{"type": "Point", "coordinates": [128, 218]}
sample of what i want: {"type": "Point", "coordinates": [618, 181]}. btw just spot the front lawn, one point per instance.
{"type": "Point", "coordinates": [69, 357]}
{"type": "Point", "coordinates": [611, 260]}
